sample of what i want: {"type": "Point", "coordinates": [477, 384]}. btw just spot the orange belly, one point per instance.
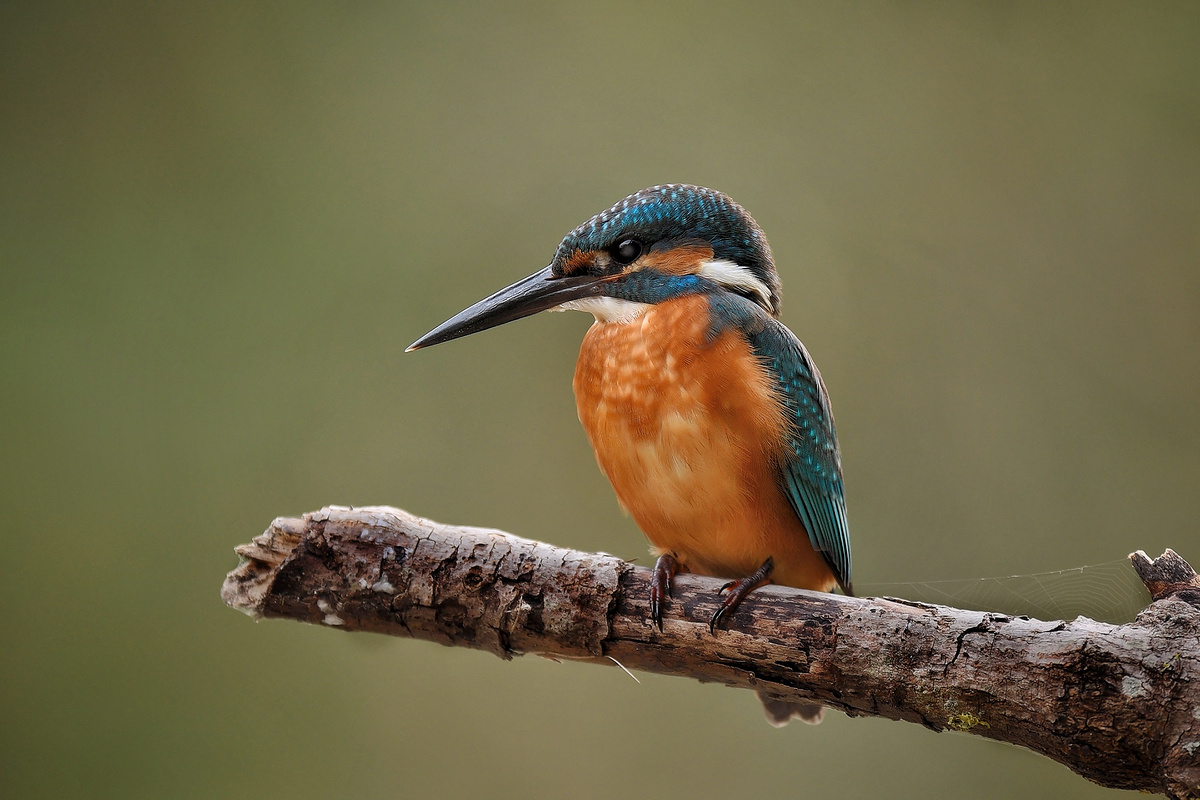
{"type": "Point", "coordinates": [689, 433]}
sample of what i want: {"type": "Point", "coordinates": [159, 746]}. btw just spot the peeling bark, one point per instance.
{"type": "Point", "coordinates": [1118, 704]}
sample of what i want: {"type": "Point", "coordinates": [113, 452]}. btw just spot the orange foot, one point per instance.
{"type": "Point", "coordinates": [737, 591]}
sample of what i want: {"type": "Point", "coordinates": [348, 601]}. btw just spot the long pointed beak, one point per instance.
{"type": "Point", "coordinates": [538, 292]}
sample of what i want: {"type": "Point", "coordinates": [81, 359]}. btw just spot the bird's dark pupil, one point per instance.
{"type": "Point", "coordinates": [627, 251]}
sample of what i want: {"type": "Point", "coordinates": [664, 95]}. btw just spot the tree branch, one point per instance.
{"type": "Point", "coordinates": [1118, 704]}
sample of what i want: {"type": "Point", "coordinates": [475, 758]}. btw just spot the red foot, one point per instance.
{"type": "Point", "coordinates": [660, 586]}
{"type": "Point", "coordinates": [737, 591]}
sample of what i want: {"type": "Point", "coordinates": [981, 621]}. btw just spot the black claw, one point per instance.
{"type": "Point", "coordinates": [712, 623]}
{"type": "Point", "coordinates": [738, 590]}
{"type": "Point", "coordinates": [660, 585]}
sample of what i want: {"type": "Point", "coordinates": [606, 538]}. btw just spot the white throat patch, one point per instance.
{"type": "Point", "coordinates": [735, 276]}
{"type": "Point", "coordinates": [606, 309]}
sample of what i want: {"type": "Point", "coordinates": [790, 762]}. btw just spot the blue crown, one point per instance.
{"type": "Point", "coordinates": [679, 211]}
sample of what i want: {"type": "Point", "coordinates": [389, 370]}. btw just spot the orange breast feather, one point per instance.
{"type": "Point", "coordinates": [689, 433]}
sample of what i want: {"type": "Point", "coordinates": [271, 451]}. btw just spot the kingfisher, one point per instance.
{"type": "Point", "coordinates": [707, 414]}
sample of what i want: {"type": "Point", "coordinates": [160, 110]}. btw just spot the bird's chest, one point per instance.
{"type": "Point", "coordinates": [683, 424]}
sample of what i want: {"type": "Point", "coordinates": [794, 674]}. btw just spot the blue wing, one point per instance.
{"type": "Point", "coordinates": [811, 474]}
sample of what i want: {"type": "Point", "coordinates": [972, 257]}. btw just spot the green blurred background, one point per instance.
{"type": "Point", "coordinates": [220, 225]}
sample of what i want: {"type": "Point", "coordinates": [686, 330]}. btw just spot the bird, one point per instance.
{"type": "Point", "coordinates": [706, 414]}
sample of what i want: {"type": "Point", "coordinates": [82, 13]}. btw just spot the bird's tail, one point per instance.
{"type": "Point", "coordinates": [781, 712]}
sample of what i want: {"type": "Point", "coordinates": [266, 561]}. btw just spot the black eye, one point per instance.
{"type": "Point", "coordinates": [627, 251]}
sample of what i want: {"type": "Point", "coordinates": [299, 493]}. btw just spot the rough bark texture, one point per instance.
{"type": "Point", "coordinates": [1118, 704]}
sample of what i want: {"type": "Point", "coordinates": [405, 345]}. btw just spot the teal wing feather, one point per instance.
{"type": "Point", "coordinates": [811, 472]}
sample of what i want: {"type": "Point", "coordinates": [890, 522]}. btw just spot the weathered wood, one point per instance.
{"type": "Point", "coordinates": [1118, 704]}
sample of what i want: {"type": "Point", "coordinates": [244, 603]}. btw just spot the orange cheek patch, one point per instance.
{"type": "Point", "coordinates": [578, 261]}
{"type": "Point", "coordinates": [683, 260]}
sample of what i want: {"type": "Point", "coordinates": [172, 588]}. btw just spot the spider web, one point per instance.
{"type": "Point", "coordinates": [1107, 592]}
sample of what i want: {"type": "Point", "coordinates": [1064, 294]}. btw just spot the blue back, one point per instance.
{"type": "Point", "coordinates": [811, 472]}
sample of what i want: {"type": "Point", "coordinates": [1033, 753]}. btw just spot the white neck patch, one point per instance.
{"type": "Point", "coordinates": [735, 276]}
{"type": "Point", "coordinates": [718, 270]}
{"type": "Point", "coordinates": [606, 309]}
